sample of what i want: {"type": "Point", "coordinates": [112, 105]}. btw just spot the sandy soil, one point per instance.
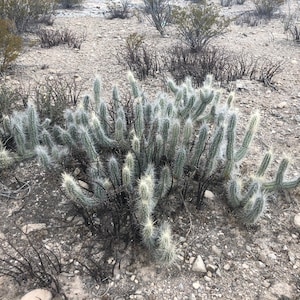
{"type": "Point", "coordinates": [261, 262]}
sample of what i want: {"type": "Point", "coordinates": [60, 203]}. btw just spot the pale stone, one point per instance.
{"type": "Point", "coordinates": [196, 285]}
{"type": "Point", "coordinates": [297, 220]}
{"type": "Point", "coordinates": [39, 294]}
{"type": "Point", "coordinates": [282, 104]}
{"type": "Point", "coordinates": [209, 195]}
{"type": "Point", "coordinates": [227, 267]}
{"type": "Point", "coordinates": [33, 227]}
{"type": "Point", "coordinates": [83, 184]}
{"type": "Point", "coordinates": [198, 265]}
{"type": "Point", "coordinates": [216, 250]}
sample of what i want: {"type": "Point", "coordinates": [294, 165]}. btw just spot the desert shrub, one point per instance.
{"type": "Point", "coordinates": [69, 3]}
{"type": "Point", "coordinates": [50, 38]}
{"type": "Point", "coordinates": [10, 44]}
{"type": "Point", "coordinates": [267, 8]}
{"type": "Point", "coordinates": [30, 262]}
{"type": "Point", "coordinates": [294, 31]}
{"type": "Point", "coordinates": [142, 158]}
{"type": "Point", "coordinates": [291, 24]}
{"type": "Point", "coordinates": [139, 58]}
{"type": "Point", "coordinates": [118, 9]}
{"type": "Point", "coordinates": [226, 3]}
{"type": "Point", "coordinates": [27, 13]}
{"type": "Point", "coordinates": [249, 17]}
{"type": "Point", "coordinates": [53, 96]}
{"type": "Point", "coordinates": [198, 25]}
{"type": "Point", "coordinates": [224, 65]}
{"type": "Point", "coordinates": [11, 99]}
{"type": "Point", "coordinates": [158, 13]}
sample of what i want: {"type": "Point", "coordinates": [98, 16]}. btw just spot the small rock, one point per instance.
{"type": "Point", "coordinates": [266, 284]}
{"type": "Point", "coordinates": [209, 195]}
{"type": "Point", "coordinates": [198, 265]}
{"type": "Point", "coordinates": [192, 297]}
{"type": "Point", "coordinates": [211, 268]}
{"type": "Point", "coordinates": [282, 104]}
{"type": "Point", "coordinates": [216, 250]}
{"type": "Point", "coordinates": [227, 267]}
{"type": "Point", "coordinates": [196, 285]}
{"type": "Point", "coordinates": [83, 184]}
{"type": "Point", "coordinates": [33, 227]}
{"type": "Point", "coordinates": [218, 273]}
{"type": "Point", "coordinates": [207, 279]}
{"type": "Point", "coordinates": [297, 221]}
{"type": "Point", "coordinates": [40, 294]}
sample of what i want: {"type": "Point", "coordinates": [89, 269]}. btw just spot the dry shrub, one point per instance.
{"type": "Point", "coordinates": [224, 65]}
{"type": "Point", "coordinates": [50, 38]}
{"type": "Point", "coordinates": [55, 95]}
{"type": "Point", "coordinates": [139, 58]}
{"type": "Point", "coordinates": [158, 13]}
{"type": "Point", "coordinates": [69, 3]}
{"type": "Point", "coordinates": [26, 14]}
{"type": "Point", "coordinates": [118, 9]}
{"type": "Point", "coordinates": [10, 44]}
{"type": "Point", "coordinates": [267, 8]}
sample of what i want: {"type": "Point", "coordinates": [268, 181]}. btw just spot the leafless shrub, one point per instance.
{"type": "Point", "coordinates": [31, 262]}
{"type": "Point", "coordinates": [225, 66]}
{"type": "Point", "coordinates": [50, 38]}
{"type": "Point", "coordinates": [267, 8]}
{"type": "Point", "coordinates": [69, 3]}
{"type": "Point", "coordinates": [249, 17]}
{"type": "Point", "coordinates": [56, 94]}
{"type": "Point", "coordinates": [118, 9]}
{"type": "Point", "coordinates": [158, 13]}
{"type": "Point", "coordinates": [240, 2]}
{"type": "Point", "coordinates": [139, 58]}
{"type": "Point", "coordinates": [226, 3]}
{"type": "Point", "coordinates": [264, 70]}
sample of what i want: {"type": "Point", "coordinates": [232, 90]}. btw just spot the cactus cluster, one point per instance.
{"type": "Point", "coordinates": [138, 152]}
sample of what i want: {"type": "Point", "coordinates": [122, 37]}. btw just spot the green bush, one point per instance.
{"type": "Point", "coordinates": [10, 45]}
{"type": "Point", "coordinates": [142, 158]}
{"type": "Point", "coordinates": [27, 13]}
{"type": "Point", "coordinates": [198, 25]}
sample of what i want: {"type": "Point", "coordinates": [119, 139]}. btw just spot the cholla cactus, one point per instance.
{"type": "Point", "coordinates": [135, 154]}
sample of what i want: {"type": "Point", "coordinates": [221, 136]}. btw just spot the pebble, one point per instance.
{"type": "Point", "coordinates": [227, 267]}
{"type": "Point", "coordinates": [216, 250]}
{"type": "Point", "coordinates": [196, 285]}
{"type": "Point", "coordinates": [40, 294]}
{"type": "Point", "coordinates": [209, 195]}
{"type": "Point", "coordinates": [33, 227]}
{"type": "Point", "coordinates": [282, 104]}
{"type": "Point", "coordinates": [297, 221]}
{"type": "Point", "coordinates": [192, 297]}
{"type": "Point", "coordinates": [198, 265]}
{"type": "Point", "coordinates": [266, 284]}
{"type": "Point", "coordinates": [211, 268]}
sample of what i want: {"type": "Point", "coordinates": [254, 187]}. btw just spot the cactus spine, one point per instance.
{"type": "Point", "coordinates": [240, 154]}
{"type": "Point", "coordinates": [75, 192]}
{"type": "Point", "coordinates": [33, 123]}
